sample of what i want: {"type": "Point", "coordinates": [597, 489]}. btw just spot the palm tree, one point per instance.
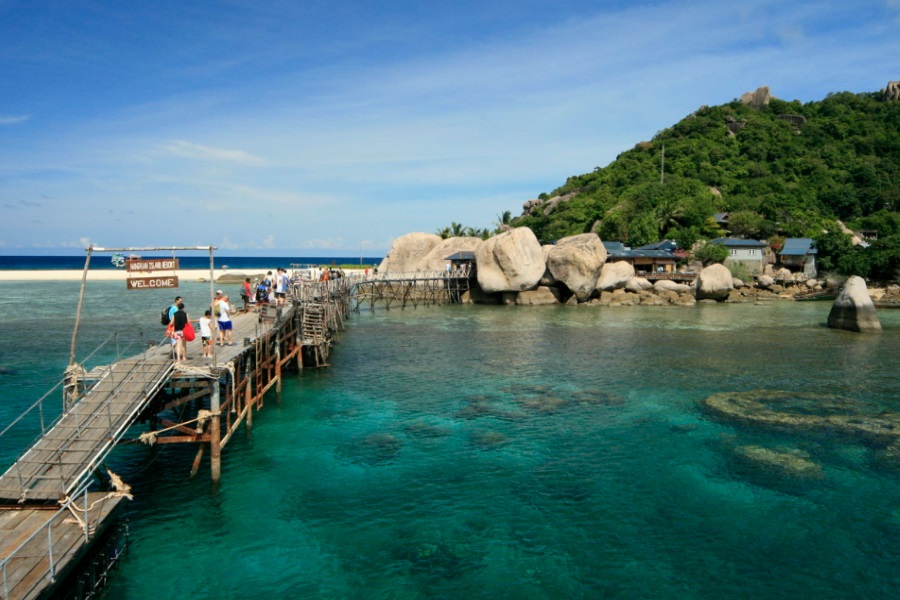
{"type": "Point", "coordinates": [504, 221]}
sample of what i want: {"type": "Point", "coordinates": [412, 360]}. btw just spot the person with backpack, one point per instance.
{"type": "Point", "coordinates": [167, 313]}
{"type": "Point", "coordinates": [180, 320]}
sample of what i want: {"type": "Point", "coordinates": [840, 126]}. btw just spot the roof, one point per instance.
{"type": "Point", "coordinates": [666, 245]}
{"type": "Point", "coordinates": [738, 243]}
{"type": "Point", "coordinates": [614, 246]}
{"type": "Point", "coordinates": [797, 247]}
{"type": "Point", "coordinates": [641, 254]}
{"type": "Point", "coordinates": [464, 255]}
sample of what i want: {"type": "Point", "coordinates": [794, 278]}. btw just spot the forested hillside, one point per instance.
{"type": "Point", "coordinates": [779, 169]}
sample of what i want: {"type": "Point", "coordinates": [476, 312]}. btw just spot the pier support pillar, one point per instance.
{"type": "Point", "coordinates": [248, 401]}
{"type": "Point", "coordinates": [278, 373]}
{"type": "Point", "coordinates": [215, 442]}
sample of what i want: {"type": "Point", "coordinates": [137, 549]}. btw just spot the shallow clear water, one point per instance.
{"type": "Point", "coordinates": [514, 452]}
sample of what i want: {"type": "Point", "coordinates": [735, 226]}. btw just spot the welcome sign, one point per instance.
{"type": "Point", "coordinates": [152, 283]}
{"type": "Point", "coordinates": [152, 264]}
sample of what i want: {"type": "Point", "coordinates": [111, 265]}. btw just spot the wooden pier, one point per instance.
{"type": "Point", "coordinates": [51, 515]}
{"type": "Point", "coordinates": [425, 288]}
{"type": "Point", "coordinates": [49, 519]}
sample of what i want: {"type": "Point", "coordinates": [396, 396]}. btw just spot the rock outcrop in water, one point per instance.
{"type": "Point", "coordinates": [714, 282]}
{"type": "Point", "coordinates": [853, 309]}
{"type": "Point", "coordinates": [512, 261]}
{"type": "Point", "coordinates": [512, 268]}
{"type": "Point", "coordinates": [575, 262]}
{"type": "Point", "coordinates": [407, 252]}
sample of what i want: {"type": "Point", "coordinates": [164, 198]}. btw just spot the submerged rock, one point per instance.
{"type": "Point", "coordinates": [853, 309]}
{"type": "Point", "coordinates": [374, 449]}
{"type": "Point", "coordinates": [791, 463]}
{"type": "Point", "coordinates": [488, 439]}
{"type": "Point", "coordinates": [822, 414]}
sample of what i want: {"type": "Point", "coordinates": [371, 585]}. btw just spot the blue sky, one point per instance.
{"type": "Point", "coordinates": [329, 128]}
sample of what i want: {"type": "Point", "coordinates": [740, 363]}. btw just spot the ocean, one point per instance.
{"type": "Point", "coordinates": [194, 260]}
{"type": "Point", "coordinates": [505, 452]}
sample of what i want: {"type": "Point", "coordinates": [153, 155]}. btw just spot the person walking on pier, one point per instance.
{"type": "Point", "coordinates": [246, 294]}
{"type": "Point", "coordinates": [179, 320]}
{"type": "Point", "coordinates": [206, 333]}
{"type": "Point", "coordinates": [225, 326]}
{"type": "Point", "coordinates": [174, 308]}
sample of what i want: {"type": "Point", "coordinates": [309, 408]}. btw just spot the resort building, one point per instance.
{"type": "Point", "coordinates": [749, 253]}
{"type": "Point", "coordinates": [799, 256]}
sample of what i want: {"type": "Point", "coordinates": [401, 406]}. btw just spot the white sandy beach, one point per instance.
{"type": "Point", "coordinates": [116, 274]}
{"type": "Point", "coordinates": [226, 276]}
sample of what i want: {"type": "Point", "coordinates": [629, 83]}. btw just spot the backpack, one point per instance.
{"type": "Point", "coordinates": [216, 310]}
{"type": "Point", "coordinates": [164, 317]}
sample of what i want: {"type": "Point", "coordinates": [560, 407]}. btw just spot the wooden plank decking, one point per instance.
{"type": "Point", "coordinates": [27, 574]}
{"type": "Point", "coordinates": [68, 452]}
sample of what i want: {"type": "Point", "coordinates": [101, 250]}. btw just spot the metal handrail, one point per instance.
{"type": "Point", "coordinates": [47, 529]}
{"type": "Point", "coordinates": [45, 427]}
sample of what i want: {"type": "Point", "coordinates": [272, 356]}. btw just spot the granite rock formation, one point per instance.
{"type": "Point", "coordinates": [853, 309]}
{"type": "Point", "coordinates": [510, 262]}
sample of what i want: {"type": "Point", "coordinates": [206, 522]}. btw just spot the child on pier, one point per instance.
{"type": "Point", "coordinates": [206, 333]}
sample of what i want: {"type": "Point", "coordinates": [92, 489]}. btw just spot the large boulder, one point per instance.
{"type": "Point", "coordinates": [666, 285]}
{"type": "Point", "coordinates": [638, 284]}
{"type": "Point", "coordinates": [714, 283]}
{"type": "Point", "coordinates": [765, 281]}
{"type": "Point", "coordinates": [436, 259]}
{"type": "Point", "coordinates": [853, 309]}
{"type": "Point", "coordinates": [615, 275]}
{"type": "Point", "coordinates": [541, 295]}
{"type": "Point", "coordinates": [510, 262]}
{"type": "Point", "coordinates": [548, 278]}
{"type": "Point", "coordinates": [575, 261]}
{"type": "Point", "coordinates": [407, 252]}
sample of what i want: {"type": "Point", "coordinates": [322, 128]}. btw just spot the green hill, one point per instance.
{"type": "Point", "coordinates": [779, 169]}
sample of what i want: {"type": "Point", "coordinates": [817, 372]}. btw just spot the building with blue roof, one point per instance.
{"type": "Point", "coordinates": [799, 256]}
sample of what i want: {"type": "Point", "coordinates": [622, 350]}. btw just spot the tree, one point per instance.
{"type": "Point", "coordinates": [709, 253]}
{"type": "Point", "coordinates": [834, 249]}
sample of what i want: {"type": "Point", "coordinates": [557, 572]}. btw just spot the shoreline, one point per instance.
{"type": "Point", "coordinates": [192, 275]}
{"type": "Point", "coordinates": [110, 274]}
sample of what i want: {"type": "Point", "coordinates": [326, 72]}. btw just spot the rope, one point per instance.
{"type": "Point", "coordinates": [149, 437]}
{"type": "Point", "coordinates": [122, 490]}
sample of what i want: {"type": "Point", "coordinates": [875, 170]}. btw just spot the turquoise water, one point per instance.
{"type": "Point", "coordinates": [509, 452]}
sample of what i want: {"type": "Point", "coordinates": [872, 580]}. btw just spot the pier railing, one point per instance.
{"type": "Point", "coordinates": [39, 545]}
{"type": "Point", "coordinates": [43, 416]}
{"type": "Point", "coordinates": [406, 288]}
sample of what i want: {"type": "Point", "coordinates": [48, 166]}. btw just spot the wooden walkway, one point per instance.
{"type": "Point", "coordinates": [61, 461]}
{"type": "Point", "coordinates": [39, 547]}
{"type": "Point", "coordinates": [39, 540]}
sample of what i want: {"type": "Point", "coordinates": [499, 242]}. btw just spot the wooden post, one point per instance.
{"type": "Point", "coordinates": [278, 373]}
{"type": "Point", "coordinates": [215, 443]}
{"type": "Point", "coordinates": [248, 400]}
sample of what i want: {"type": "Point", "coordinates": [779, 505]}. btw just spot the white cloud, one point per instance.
{"type": "Point", "coordinates": [14, 119]}
{"type": "Point", "coordinates": [185, 149]}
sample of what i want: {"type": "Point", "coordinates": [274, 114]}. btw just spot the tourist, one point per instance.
{"type": "Point", "coordinates": [179, 320]}
{"type": "Point", "coordinates": [245, 294]}
{"type": "Point", "coordinates": [206, 333]}
{"type": "Point", "coordinates": [174, 308]}
{"type": "Point", "coordinates": [279, 287]}
{"type": "Point", "coordinates": [262, 293]}
{"type": "Point", "coordinates": [225, 326]}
